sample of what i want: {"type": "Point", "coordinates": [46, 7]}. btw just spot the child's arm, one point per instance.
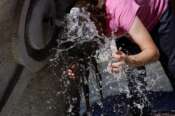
{"type": "Point", "coordinates": [149, 51]}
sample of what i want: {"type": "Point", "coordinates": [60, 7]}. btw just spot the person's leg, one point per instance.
{"type": "Point", "coordinates": [73, 98]}
{"type": "Point", "coordinates": [164, 37]}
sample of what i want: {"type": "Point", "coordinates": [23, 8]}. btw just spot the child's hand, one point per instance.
{"type": "Point", "coordinates": [71, 71]}
{"type": "Point", "coordinates": [119, 60]}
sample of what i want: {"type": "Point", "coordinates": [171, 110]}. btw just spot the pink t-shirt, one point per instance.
{"type": "Point", "coordinates": [120, 14]}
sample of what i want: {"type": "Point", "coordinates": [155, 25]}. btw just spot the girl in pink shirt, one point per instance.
{"type": "Point", "coordinates": [150, 24]}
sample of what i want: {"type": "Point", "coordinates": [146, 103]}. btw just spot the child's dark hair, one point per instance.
{"type": "Point", "coordinates": [94, 2]}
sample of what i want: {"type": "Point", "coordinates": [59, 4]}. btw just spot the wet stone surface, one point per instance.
{"type": "Point", "coordinates": [40, 98]}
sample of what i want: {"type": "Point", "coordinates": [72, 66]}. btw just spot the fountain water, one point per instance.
{"type": "Point", "coordinates": [80, 43]}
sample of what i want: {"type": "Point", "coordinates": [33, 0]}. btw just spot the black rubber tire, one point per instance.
{"type": "Point", "coordinates": [37, 19]}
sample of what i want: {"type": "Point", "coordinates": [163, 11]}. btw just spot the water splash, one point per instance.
{"type": "Point", "coordinates": [80, 42]}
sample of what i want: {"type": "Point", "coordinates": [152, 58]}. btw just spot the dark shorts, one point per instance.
{"type": "Point", "coordinates": [164, 36]}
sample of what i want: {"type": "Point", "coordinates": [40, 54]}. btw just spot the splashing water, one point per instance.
{"type": "Point", "coordinates": [79, 42]}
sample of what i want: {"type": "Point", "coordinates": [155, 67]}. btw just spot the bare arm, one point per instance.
{"type": "Point", "coordinates": [142, 38]}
